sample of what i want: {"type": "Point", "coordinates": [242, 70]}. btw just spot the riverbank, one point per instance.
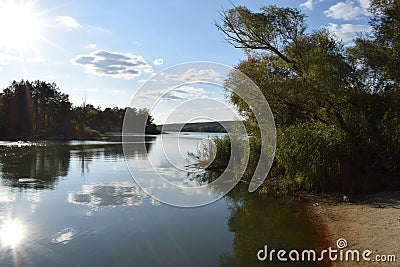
{"type": "Point", "coordinates": [366, 222]}
{"type": "Point", "coordinates": [96, 136]}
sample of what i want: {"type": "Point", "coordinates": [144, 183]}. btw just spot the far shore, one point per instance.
{"type": "Point", "coordinates": [101, 137]}
{"type": "Point", "coordinates": [367, 222]}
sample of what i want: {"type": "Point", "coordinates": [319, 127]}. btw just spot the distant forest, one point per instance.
{"type": "Point", "coordinates": [211, 127]}
{"type": "Point", "coordinates": [39, 110]}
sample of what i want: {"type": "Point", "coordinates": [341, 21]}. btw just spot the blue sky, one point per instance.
{"type": "Point", "coordinates": [83, 46]}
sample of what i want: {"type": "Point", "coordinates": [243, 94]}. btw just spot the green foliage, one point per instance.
{"type": "Point", "coordinates": [270, 29]}
{"type": "Point", "coordinates": [38, 110]}
{"type": "Point", "coordinates": [336, 109]}
{"type": "Point", "coordinates": [211, 127]}
{"type": "Point", "coordinates": [33, 108]}
{"type": "Point", "coordinates": [222, 153]}
{"type": "Point", "coordinates": [310, 154]}
{"type": "Point", "coordinates": [378, 57]}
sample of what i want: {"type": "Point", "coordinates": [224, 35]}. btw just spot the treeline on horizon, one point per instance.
{"type": "Point", "coordinates": [336, 107]}
{"type": "Point", "coordinates": [39, 110]}
{"type": "Point", "coordinates": [210, 127]}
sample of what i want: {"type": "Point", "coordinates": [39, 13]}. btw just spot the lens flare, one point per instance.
{"type": "Point", "coordinates": [11, 233]}
{"type": "Point", "coordinates": [20, 25]}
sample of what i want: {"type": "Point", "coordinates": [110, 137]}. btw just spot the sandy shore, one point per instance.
{"type": "Point", "coordinates": [370, 223]}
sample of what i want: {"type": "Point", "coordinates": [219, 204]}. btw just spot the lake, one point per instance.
{"type": "Point", "coordinates": [76, 204]}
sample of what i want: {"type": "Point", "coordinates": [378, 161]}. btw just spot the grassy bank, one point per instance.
{"type": "Point", "coordinates": [308, 159]}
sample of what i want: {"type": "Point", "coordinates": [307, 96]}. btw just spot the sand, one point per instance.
{"type": "Point", "coordinates": [370, 223]}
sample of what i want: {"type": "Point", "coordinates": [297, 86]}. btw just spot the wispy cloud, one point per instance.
{"type": "Point", "coordinates": [309, 4]}
{"type": "Point", "coordinates": [91, 46]}
{"type": "Point", "coordinates": [68, 22]}
{"type": "Point", "coordinates": [365, 4]}
{"type": "Point", "coordinates": [184, 92]}
{"type": "Point", "coordinates": [179, 93]}
{"type": "Point", "coordinates": [113, 64]}
{"type": "Point", "coordinates": [194, 75]}
{"type": "Point", "coordinates": [158, 61]}
{"type": "Point", "coordinates": [347, 32]}
{"type": "Point", "coordinates": [348, 10]}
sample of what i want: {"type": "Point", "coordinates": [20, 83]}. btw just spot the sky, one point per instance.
{"type": "Point", "coordinates": [103, 51]}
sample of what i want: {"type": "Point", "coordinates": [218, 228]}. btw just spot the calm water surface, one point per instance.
{"type": "Point", "coordinates": [75, 204]}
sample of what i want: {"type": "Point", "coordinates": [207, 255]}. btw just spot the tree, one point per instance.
{"type": "Point", "coordinates": [269, 30]}
{"type": "Point", "coordinates": [319, 89]}
{"type": "Point", "coordinates": [17, 109]}
{"type": "Point", "coordinates": [378, 55]}
{"type": "Point", "coordinates": [40, 110]}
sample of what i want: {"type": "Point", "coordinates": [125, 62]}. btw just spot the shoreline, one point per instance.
{"type": "Point", "coordinates": [372, 222]}
{"type": "Point", "coordinates": [102, 137]}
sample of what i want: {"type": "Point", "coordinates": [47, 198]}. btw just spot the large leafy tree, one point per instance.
{"type": "Point", "coordinates": [32, 108]}
{"type": "Point", "coordinates": [322, 95]}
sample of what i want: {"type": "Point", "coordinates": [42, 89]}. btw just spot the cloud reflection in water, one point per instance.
{"type": "Point", "coordinates": [108, 194]}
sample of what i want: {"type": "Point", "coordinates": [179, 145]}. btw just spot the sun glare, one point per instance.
{"type": "Point", "coordinates": [11, 233]}
{"type": "Point", "coordinates": [20, 25]}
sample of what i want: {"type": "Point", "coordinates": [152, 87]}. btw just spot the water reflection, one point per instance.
{"type": "Point", "coordinates": [144, 235]}
{"type": "Point", "coordinates": [40, 165]}
{"type": "Point", "coordinates": [64, 236]}
{"type": "Point", "coordinates": [11, 233]}
{"type": "Point", "coordinates": [278, 223]}
{"type": "Point", "coordinates": [108, 194]}
{"type": "Point", "coordinates": [6, 196]}
{"type": "Point", "coordinates": [37, 167]}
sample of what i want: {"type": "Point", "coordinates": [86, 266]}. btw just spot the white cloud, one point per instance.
{"type": "Point", "coordinates": [348, 10]}
{"type": "Point", "coordinates": [113, 64]}
{"type": "Point", "coordinates": [365, 4]}
{"type": "Point", "coordinates": [158, 61]}
{"type": "Point", "coordinates": [309, 4]}
{"type": "Point", "coordinates": [346, 32]}
{"type": "Point", "coordinates": [184, 92]}
{"type": "Point", "coordinates": [194, 75]}
{"type": "Point", "coordinates": [179, 93]}
{"type": "Point", "coordinates": [68, 22]}
{"type": "Point", "coordinates": [91, 46]}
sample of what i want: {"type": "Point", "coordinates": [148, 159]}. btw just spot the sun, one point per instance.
{"type": "Point", "coordinates": [20, 25]}
{"type": "Point", "coordinates": [11, 233]}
